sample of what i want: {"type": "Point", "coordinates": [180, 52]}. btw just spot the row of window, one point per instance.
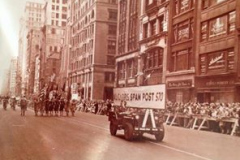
{"type": "Point", "coordinates": [209, 3]}
{"type": "Point", "coordinates": [58, 1]}
{"type": "Point", "coordinates": [34, 5]}
{"type": "Point", "coordinates": [58, 23]}
{"type": "Point", "coordinates": [84, 22]}
{"type": "Point", "coordinates": [80, 9]}
{"type": "Point", "coordinates": [122, 26]}
{"type": "Point", "coordinates": [34, 19]}
{"type": "Point", "coordinates": [57, 15]}
{"type": "Point", "coordinates": [57, 8]}
{"type": "Point", "coordinates": [86, 47]}
{"type": "Point", "coordinates": [54, 49]}
{"type": "Point", "coordinates": [133, 25]}
{"type": "Point", "coordinates": [81, 63]}
{"type": "Point", "coordinates": [35, 24]}
{"type": "Point", "coordinates": [217, 62]}
{"type": "Point", "coordinates": [186, 5]}
{"type": "Point", "coordinates": [55, 31]}
{"type": "Point", "coordinates": [32, 14]}
{"type": "Point", "coordinates": [127, 69]}
{"type": "Point", "coordinates": [153, 27]}
{"type": "Point", "coordinates": [83, 35]}
{"type": "Point", "coordinates": [210, 29]}
{"type": "Point", "coordinates": [220, 26]}
{"type": "Point", "coordinates": [82, 78]}
{"type": "Point", "coordinates": [181, 60]}
{"type": "Point", "coordinates": [153, 59]}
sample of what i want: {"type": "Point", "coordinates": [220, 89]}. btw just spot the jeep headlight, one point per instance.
{"type": "Point", "coordinates": [137, 116]}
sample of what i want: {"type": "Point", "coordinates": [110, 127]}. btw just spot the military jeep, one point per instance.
{"type": "Point", "coordinates": [136, 122]}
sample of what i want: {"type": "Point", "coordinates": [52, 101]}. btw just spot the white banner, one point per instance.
{"type": "Point", "coordinates": [152, 97]}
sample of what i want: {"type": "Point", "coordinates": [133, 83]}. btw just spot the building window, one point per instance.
{"type": "Point", "coordinates": [209, 3]}
{"type": "Point", "coordinates": [112, 14]}
{"type": "Point", "coordinates": [145, 30]}
{"type": "Point", "coordinates": [217, 62]}
{"type": "Point", "coordinates": [57, 8]}
{"type": "Point", "coordinates": [63, 24]}
{"type": "Point", "coordinates": [110, 60]}
{"type": "Point", "coordinates": [53, 31]}
{"type": "Point", "coordinates": [204, 30]}
{"type": "Point", "coordinates": [109, 76]}
{"type": "Point", "coordinates": [112, 29]}
{"type": "Point", "coordinates": [53, 7]}
{"type": "Point", "coordinates": [181, 60]}
{"type": "Point", "coordinates": [219, 26]}
{"type": "Point", "coordinates": [153, 59]}
{"type": "Point", "coordinates": [111, 46]}
{"type": "Point", "coordinates": [183, 6]}
{"type": "Point", "coordinates": [121, 70]}
{"type": "Point", "coordinates": [183, 31]}
{"type": "Point", "coordinates": [153, 27]}
{"type": "Point", "coordinates": [64, 16]}
{"type": "Point", "coordinates": [122, 26]}
{"type": "Point", "coordinates": [231, 22]}
{"type": "Point", "coordinates": [92, 14]}
{"type": "Point", "coordinates": [133, 23]}
{"type": "Point", "coordinates": [131, 68]}
{"type": "Point", "coordinates": [64, 1]}
{"type": "Point", "coordinates": [64, 9]}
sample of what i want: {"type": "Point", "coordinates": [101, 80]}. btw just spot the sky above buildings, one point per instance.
{"type": "Point", "coordinates": [10, 14]}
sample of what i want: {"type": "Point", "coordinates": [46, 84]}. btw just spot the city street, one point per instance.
{"type": "Point", "coordinates": [86, 136]}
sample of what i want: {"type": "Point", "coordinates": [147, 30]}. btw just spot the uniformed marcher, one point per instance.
{"type": "Point", "coordinates": [23, 104]}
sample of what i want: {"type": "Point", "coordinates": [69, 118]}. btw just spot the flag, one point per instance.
{"type": "Point", "coordinates": [42, 94]}
{"type": "Point", "coordinates": [139, 74]}
{"type": "Point", "coordinates": [149, 75]}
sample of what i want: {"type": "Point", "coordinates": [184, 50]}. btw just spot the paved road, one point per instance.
{"type": "Point", "coordinates": [86, 137]}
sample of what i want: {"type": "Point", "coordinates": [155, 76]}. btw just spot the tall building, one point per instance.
{"type": "Point", "coordinates": [33, 15]}
{"type": "Point", "coordinates": [5, 82]}
{"type": "Point", "coordinates": [53, 35]}
{"type": "Point", "coordinates": [33, 53]}
{"type": "Point", "coordinates": [180, 76]}
{"type": "Point", "coordinates": [32, 19]}
{"type": "Point", "coordinates": [217, 51]}
{"type": "Point", "coordinates": [12, 77]}
{"type": "Point", "coordinates": [93, 45]}
{"type": "Point", "coordinates": [142, 42]}
{"type": "Point", "coordinates": [128, 49]}
{"type": "Point", "coordinates": [64, 67]}
{"type": "Point", "coordinates": [191, 46]}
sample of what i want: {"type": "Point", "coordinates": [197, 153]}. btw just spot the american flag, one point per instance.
{"type": "Point", "coordinates": [42, 94]}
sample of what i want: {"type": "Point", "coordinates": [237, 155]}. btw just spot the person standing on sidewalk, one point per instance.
{"type": "Point", "coordinates": [23, 104]}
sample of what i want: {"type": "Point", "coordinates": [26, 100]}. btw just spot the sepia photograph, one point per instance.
{"type": "Point", "coordinates": [119, 79]}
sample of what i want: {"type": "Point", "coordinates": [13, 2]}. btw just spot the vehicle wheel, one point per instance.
{"type": "Point", "coordinates": [113, 129]}
{"type": "Point", "coordinates": [159, 137]}
{"type": "Point", "coordinates": [128, 131]}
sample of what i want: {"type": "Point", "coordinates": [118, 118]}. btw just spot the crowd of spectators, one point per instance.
{"type": "Point", "coordinates": [217, 114]}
